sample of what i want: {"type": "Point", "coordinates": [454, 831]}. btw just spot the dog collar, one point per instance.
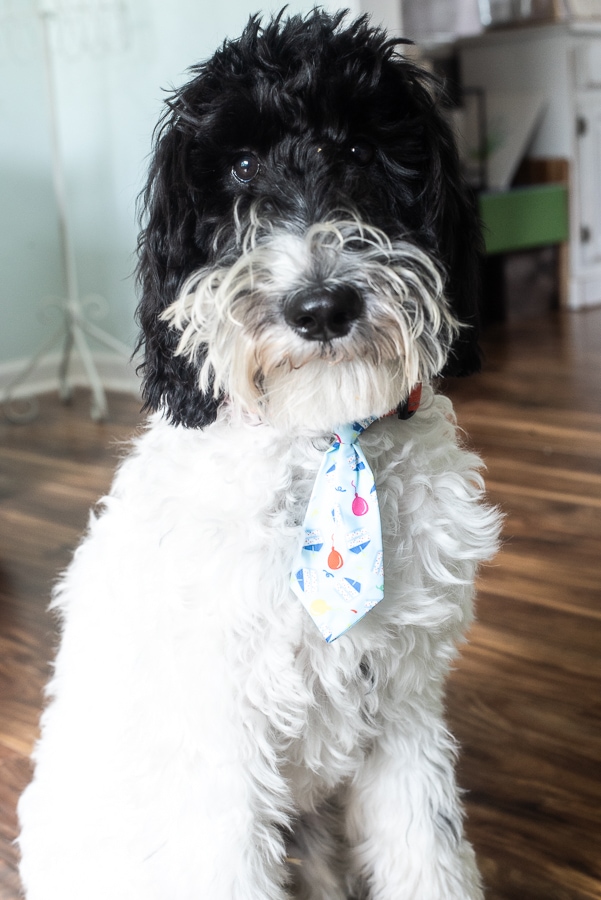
{"type": "Point", "coordinates": [411, 405]}
{"type": "Point", "coordinates": [338, 574]}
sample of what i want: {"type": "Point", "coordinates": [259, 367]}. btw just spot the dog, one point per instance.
{"type": "Point", "coordinates": [308, 258]}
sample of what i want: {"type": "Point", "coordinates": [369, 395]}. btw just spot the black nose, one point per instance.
{"type": "Point", "coordinates": [324, 314]}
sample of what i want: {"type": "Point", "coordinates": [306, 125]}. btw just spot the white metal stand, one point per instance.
{"type": "Point", "coordinates": [75, 328]}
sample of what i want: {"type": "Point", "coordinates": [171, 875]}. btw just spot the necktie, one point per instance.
{"type": "Point", "coordinates": [338, 574]}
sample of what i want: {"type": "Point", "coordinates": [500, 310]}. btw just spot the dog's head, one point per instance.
{"type": "Point", "coordinates": [308, 246]}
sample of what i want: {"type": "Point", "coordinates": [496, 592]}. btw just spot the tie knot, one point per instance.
{"type": "Point", "coordinates": [348, 434]}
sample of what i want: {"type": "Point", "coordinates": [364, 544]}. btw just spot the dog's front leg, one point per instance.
{"type": "Point", "coordinates": [234, 847]}
{"type": "Point", "coordinates": [404, 819]}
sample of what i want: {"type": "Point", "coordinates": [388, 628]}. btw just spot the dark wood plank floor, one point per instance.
{"type": "Point", "coordinates": [525, 701]}
{"type": "Point", "coordinates": [525, 698]}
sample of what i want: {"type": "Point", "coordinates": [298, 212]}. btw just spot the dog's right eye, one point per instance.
{"type": "Point", "coordinates": [245, 168]}
{"type": "Point", "coordinates": [361, 153]}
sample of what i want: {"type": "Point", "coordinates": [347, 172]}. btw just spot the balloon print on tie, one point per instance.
{"type": "Point", "coordinates": [360, 506]}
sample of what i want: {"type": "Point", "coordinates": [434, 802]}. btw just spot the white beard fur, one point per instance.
{"type": "Point", "coordinates": [196, 711]}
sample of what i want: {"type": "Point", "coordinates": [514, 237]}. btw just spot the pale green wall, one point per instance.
{"type": "Point", "coordinates": [109, 104]}
{"type": "Point", "coordinates": [29, 261]}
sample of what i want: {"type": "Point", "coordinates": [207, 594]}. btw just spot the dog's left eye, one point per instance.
{"type": "Point", "coordinates": [361, 153]}
{"type": "Point", "coordinates": [245, 168]}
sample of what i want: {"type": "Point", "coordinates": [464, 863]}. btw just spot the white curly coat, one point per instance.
{"type": "Point", "coordinates": [196, 716]}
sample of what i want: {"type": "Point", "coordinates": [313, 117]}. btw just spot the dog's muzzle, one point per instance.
{"type": "Point", "coordinates": [341, 312]}
{"type": "Point", "coordinates": [324, 314]}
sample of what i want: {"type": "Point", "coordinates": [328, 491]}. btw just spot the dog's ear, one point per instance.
{"type": "Point", "coordinates": [450, 208]}
{"type": "Point", "coordinates": [170, 248]}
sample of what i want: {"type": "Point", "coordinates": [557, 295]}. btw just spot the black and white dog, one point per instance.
{"type": "Point", "coordinates": [308, 257]}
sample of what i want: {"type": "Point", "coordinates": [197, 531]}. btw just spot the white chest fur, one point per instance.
{"type": "Point", "coordinates": [217, 515]}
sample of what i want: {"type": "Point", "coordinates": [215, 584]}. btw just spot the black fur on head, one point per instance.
{"type": "Point", "coordinates": [282, 90]}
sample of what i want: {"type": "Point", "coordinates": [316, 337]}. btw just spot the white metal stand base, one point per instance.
{"type": "Point", "coordinates": [73, 332]}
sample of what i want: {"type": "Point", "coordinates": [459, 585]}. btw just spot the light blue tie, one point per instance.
{"type": "Point", "coordinates": [339, 574]}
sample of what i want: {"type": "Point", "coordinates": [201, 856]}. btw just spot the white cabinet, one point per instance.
{"type": "Point", "coordinates": [563, 62]}
{"type": "Point", "coordinates": [588, 146]}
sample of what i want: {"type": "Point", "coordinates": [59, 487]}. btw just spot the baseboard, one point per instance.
{"type": "Point", "coordinates": [116, 374]}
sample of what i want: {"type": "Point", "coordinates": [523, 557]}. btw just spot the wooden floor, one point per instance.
{"type": "Point", "coordinates": [525, 699]}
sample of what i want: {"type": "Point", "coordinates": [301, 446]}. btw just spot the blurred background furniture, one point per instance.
{"type": "Point", "coordinates": [517, 222]}
{"type": "Point", "coordinates": [562, 63]}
